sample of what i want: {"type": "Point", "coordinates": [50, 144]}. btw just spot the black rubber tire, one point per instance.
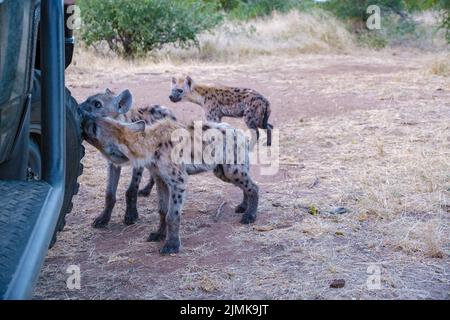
{"type": "Point", "coordinates": [74, 148]}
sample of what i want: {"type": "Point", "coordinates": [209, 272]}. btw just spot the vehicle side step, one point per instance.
{"type": "Point", "coordinates": [21, 205]}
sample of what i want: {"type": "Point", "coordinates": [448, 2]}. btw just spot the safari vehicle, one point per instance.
{"type": "Point", "coordinates": [40, 139]}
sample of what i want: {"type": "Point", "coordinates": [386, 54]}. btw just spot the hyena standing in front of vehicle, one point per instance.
{"type": "Point", "coordinates": [153, 147]}
{"type": "Point", "coordinates": [107, 104]}
{"type": "Point", "coordinates": [221, 101]}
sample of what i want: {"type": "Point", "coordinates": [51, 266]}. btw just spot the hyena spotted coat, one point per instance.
{"type": "Point", "coordinates": [220, 101]}
{"type": "Point", "coordinates": [107, 104]}
{"type": "Point", "coordinates": [152, 147]}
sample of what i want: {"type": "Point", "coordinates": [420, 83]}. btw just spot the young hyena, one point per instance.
{"type": "Point", "coordinates": [107, 104]}
{"type": "Point", "coordinates": [221, 101]}
{"type": "Point", "coordinates": [153, 147]}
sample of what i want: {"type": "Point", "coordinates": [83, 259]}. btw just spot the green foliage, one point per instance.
{"type": "Point", "coordinates": [397, 25]}
{"type": "Point", "coordinates": [374, 40]}
{"type": "Point", "coordinates": [422, 5]}
{"type": "Point", "coordinates": [249, 9]}
{"type": "Point", "coordinates": [133, 28]}
{"type": "Point", "coordinates": [357, 9]}
{"type": "Point", "coordinates": [445, 18]}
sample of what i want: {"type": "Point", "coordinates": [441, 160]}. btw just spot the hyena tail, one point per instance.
{"type": "Point", "coordinates": [266, 125]}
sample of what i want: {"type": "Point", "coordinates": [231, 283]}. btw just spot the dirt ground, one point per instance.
{"type": "Point", "coordinates": [368, 131]}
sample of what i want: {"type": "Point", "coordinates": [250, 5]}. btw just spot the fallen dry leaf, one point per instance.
{"type": "Point", "coordinates": [263, 228]}
{"type": "Point", "coordinates": [207, 285]}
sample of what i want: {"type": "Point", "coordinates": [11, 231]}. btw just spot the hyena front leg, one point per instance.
{"type": "Point", "coordinates": [131, 213]}
{"type": "Point", "coordinates": [163, 197]}
{"type": "Point", "coordinates": [239, 176]}
{"type": "Point", "coordinates": [177, 192]}
{"type": "Point", "coordinates": [110, 198]}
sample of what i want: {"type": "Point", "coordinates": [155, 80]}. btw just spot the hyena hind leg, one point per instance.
{"type": "Point", "coordinates": [252, 123]}
{"type": "Point", "coordinates": [219, 173]}
{"type": "Point", "coordinates": [241, 208]}
{"type": "Point", "coordinates": [269, 134]}
{"type": "Point", "coordinates": [240, 177]}
{"type": "Point", "coordinates": [145, 192]}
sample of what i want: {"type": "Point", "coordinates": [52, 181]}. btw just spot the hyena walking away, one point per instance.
{"type": "Point", "coordinates": [221, 101]}
{"type": "Point", "coordinates": [107, 104]}
{"type": "Point", "coordinates": [152, 147]}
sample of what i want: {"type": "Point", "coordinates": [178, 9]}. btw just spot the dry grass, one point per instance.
{"type": "Point", "coordinates": [368, 132]}
{"type": "Point", "coordinates": [402, 190]}
{"type": "Point", "coordinates": [362, 130]}
{"type": "Point", "coordinates": [286, 34]}
{"type": "Point", "coordinates": [292, 33]}
{"type": "Point", "coordinates": [441, 66]}
{"type": "Point", "coordinates": [398, 201]}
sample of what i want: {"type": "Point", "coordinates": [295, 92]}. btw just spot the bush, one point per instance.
{"type": "Point", "coordinates": [357, 9]}
{"type": "Point", "coordinates": [133, 28]}
{"type": "Point", "coordinates": [445, 7]}
{"type": "Point", "coordinates": [249, 9]}
{"type": "Point", "coordinates": [397, 25]}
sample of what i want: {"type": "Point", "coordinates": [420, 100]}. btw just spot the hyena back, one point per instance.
{"type": "Point", "coordinates": [152, 146]}
{"type": "Point", "coordinates": [221, 101]}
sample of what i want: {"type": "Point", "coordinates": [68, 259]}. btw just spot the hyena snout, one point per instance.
{"type": "Point", "coordinates": [88, 126]}
{"type": "Point", "coordinates": [174, 98]}
{"type": "Point", "coordinates": [176, 95]}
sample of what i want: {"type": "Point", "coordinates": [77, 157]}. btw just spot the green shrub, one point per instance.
{"type": "Point", "coordinates": [397, 26]}
{"type": "Point", "coordinates": [133, 28]}
{"type": "Point", "coordinates": [357, 9]}
{"type": "Point", "coordinates": [445, 22]}
{"type": "Point", "coordinates": [249, 9]}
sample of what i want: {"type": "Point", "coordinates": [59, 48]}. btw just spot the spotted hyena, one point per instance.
{"type": "Point", "coordinates": [153, 147]}
{"type": "Point", "coordinates": [108, 104]}
{"type": "Point", "coordinates": [221, 101]}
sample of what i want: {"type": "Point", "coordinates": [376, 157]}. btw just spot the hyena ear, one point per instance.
{"type": "Point", "coordinates": [138, 126]}
{"type": "Point", "coordinates": [124, 101]}
{"type": "Point", "coordinates": [188, 82]}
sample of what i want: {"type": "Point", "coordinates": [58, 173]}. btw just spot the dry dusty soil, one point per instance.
{"type": "Point", "coordinates": [369, 132]}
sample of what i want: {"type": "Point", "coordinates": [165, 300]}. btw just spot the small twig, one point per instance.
{"type": "Point", "coordinates": [165, 295]}
{"type": "Point", "coordinates": [219, 212]}
{"type": "Point", "coordinates": [314, 184]}
{"type": "Point", "coordinates": [294, 164]}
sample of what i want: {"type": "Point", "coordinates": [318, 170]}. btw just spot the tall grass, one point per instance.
{"type": "Point", "coordinates": [313, 31]}
{"type": "Point", "coordinates": [296, 32]}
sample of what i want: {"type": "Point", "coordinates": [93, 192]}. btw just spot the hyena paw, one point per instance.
{"type": "Point", "coordinates": [131, 217]}
{"type": "Point", "coordinates": [144, 192]}
{"type": "Point", "coordinates": [156, 237]}
{"type": "Point", "coordinates": [248, 218]}
{"type": "Point", "coordinates": [100, 222]}
{"type": "Point", "coordinates": [170, 248]}
{"type": "Point", "coordinates": [241, 208]}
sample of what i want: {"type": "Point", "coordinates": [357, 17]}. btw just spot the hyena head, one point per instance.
{"type": "Point", "coordinates": [107, 104]}
{"type": "Point", "coordinates": [111, 137]}
{"type": "Point", "coordinates": [183, 89]}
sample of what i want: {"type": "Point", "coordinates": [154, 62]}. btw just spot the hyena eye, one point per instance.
{"type": "Point", "coordinates": [97, 104]}
{"type": "Point", "coordinates": [180, 90]}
